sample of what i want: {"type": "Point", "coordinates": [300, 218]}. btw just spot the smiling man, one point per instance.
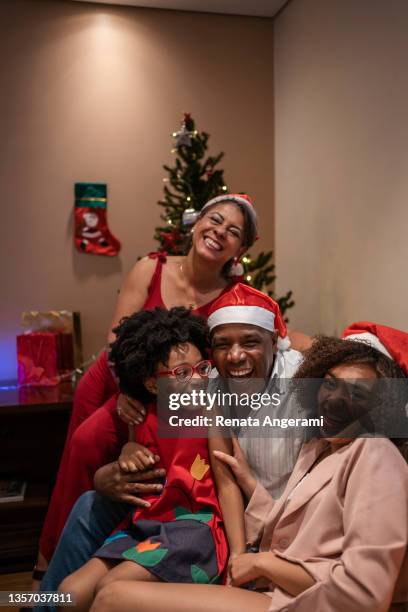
{"type": "Point", "coordinates": [251, 351]}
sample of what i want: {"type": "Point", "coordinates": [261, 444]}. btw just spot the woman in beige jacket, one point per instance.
{"type": "Point", "coordinates": [337, 538]}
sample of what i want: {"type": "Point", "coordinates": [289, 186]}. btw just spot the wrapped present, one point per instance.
{"type": "Point", "coordinates": [50, 348]}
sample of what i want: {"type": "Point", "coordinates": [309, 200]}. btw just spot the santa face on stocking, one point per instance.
{"type": "Point", "coordinates": [92, 234]}
{"type": "Point", "coordinates": [90, 229]}
{"type": "Point", "coordinates": [90, 219]}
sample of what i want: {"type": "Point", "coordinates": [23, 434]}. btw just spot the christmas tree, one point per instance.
{"type": "Point", "coordinates": [191, 182]}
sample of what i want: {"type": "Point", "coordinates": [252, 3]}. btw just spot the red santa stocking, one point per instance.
{"type": "Point", "coordinates": [92, 234]}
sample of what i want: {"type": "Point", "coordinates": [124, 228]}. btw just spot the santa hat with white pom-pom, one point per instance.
{"type": "Point", "coordinates": [244, 304]}
{"type": "Point", "coordinates": [391, 342]}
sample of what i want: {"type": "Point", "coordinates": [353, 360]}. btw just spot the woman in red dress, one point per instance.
{"type": "Point", "coordinates": [226, 228]}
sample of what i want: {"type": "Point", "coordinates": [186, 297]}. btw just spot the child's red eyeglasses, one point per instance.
{"type": "Point", "coordinates": [184, 373]}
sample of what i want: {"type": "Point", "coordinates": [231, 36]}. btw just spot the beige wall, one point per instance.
{"type": "Point", "coordinates": [341, 150]}
{"type": "Point", "coordinates": [92, 93]}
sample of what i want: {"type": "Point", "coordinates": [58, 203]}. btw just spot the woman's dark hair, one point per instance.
{"type": "Point", "coordinates": [327, 353]}
{"type": "Point", "coordinates": [146, 339]}
{"type": "Point", "coordinates": [248, 238]}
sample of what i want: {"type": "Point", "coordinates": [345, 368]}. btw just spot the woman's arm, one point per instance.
{"type": "Point", "coordinates": [229, 495]}
{"type": "Point", "coordinates": [299, 341]}
{"type": "Point", "coordinates": [291, 577]}
{"type": "Point", "coordinates": [133, 292]}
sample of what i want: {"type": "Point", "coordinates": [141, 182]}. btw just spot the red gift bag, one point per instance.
{"type": "Point", "coordinates": [37, 358]}
{"type": "Point", "coordinates": [50, 349]}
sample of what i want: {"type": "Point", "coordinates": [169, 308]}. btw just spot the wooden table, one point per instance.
{"type": "Point", "coordinates": [33, 425]}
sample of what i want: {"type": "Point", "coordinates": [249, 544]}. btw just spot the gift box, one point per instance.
{"type": "Point", "coordinates": [50, 348]}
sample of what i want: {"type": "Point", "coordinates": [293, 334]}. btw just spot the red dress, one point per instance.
{"type": "Point", "coordinates": [180, 537]}
{"type": "Point", "coordinates": [96, 434]}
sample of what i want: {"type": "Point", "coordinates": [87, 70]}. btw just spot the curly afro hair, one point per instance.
{"type": "Point", "coordinates": [146, 338]}
{"type": "Point", "coordinates": [327, 353]}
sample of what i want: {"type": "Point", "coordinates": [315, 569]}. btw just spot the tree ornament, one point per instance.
{"type": "Point", "coordinates": [236, 269]}
{"type": "Point", "coordinates": [182, 137]}
{"type": "Point", "coordinates": [171, 241]}
{"type": "Point", "coordinates": [190, 216]}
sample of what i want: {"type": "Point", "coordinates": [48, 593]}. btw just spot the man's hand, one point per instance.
{"type": "Point", "coordinates": [120, 486]}
{"type": "Point", "coordinates": [239, 467]}
{"type": "Point", "coordinates": [131, 411]}
{"type": "Point", "coordinates": [136, 458]}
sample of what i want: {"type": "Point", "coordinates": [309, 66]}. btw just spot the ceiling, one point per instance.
{"type": "Point", "coordinates": [255, 8]}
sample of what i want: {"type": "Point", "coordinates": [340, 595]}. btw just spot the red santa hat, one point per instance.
{"type": "Point", "coordinates": [239, 198]}
{"type": "Point", "coordinates": [244, 304]}
{"type": "Point", "coordinates": [391, 342]}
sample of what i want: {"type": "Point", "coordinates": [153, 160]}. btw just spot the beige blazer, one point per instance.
{"type": "Point", "coordinates": [345, 522]}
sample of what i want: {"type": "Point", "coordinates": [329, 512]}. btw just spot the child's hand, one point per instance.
{"type": "Point", "coordinates": [136, 458]}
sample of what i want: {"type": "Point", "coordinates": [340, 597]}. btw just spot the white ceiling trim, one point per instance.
{"type": "Point", "coordinates": [253, 8]}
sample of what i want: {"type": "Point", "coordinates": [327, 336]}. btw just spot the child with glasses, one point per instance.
{"type": "Point", "coordinates": [178, 536]}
